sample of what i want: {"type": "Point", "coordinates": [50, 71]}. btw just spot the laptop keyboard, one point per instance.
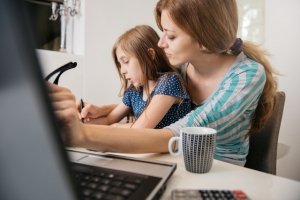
{"type": "Point", "coordinates": [109, 184]}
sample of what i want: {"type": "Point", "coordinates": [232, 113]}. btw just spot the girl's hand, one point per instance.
{"type": "Point", "coordinates": [91, 112]}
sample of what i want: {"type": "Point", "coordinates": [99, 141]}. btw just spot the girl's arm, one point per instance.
{"type": "Point", "coordinates": [168, 91]}
{"type": "Point", "coordinates": [116, 115]}
{"type": "Point", "coordinates": [155, 111]}
{"type": "Point", "coordinates": [91, 111]}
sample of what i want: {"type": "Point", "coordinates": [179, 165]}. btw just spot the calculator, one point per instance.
{"type": "Point", "coordinates": [207, 194]}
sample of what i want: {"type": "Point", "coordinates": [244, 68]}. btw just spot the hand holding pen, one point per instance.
{"type": "Point", "coordinates": [81, 107]}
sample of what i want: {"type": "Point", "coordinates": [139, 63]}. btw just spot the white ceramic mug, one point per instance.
{"type": "Point", "coordinates": [197, 145]}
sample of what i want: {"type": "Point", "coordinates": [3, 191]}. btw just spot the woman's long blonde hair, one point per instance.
{"type": "Point", "coordinates": [214, 24]}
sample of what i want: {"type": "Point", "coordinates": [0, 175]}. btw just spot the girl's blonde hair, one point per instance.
{"type": "Point", "coordinates": [137, 42]}
{"type": "Point", "coordinates": [214, 24]}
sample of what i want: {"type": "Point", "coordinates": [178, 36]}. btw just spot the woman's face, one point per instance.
{"type": "Point", "coordinates": [130, 68]}
{"type": "Point", "coordinates": [179, 47]}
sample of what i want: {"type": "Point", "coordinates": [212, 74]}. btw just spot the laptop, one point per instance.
{"type": "Point", "coordinates": [34, 163]}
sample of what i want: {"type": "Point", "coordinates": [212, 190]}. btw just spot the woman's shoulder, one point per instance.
{"type": "Point", "coordinates": [245, 72]}
{"type": "Point", "coordinates": [244, 64]}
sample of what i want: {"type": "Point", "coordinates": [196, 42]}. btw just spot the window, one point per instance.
{"type": "Point", "coordinates": [251, 20]}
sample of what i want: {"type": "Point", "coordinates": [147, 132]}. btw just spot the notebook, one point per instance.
{"type": "Point", "coordinates": [34, 163]}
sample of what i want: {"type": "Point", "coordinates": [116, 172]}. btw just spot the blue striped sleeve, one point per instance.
{"type": "Point", "coordinates": [230, 109]}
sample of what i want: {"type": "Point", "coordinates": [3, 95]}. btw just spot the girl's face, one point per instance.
{"type": "Point", "coordinates": [179, 47]}
{"type": "Point", "coordinates": [130, 68]}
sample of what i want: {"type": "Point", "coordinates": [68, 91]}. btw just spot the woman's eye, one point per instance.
{"type": "Point", "coordinates": [171, 37]}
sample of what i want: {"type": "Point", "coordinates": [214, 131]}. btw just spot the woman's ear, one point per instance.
{"type": "Point", "coordinates": [151, 53]}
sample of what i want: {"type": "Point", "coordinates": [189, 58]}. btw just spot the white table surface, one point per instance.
{"type": "Point", "coordinates": [257, 185]}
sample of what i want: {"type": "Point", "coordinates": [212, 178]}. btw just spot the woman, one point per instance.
{"type": "Point", "coordinates": [230, 82]}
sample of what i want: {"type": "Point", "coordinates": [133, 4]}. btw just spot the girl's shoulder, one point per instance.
{"type": "Point", "coordinates": [171, 83]}
{"type": "Point", "coordinates": [169, 77]}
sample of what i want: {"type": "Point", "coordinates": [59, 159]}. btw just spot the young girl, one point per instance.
{"type": "Point", "coordinates": [152, 90]}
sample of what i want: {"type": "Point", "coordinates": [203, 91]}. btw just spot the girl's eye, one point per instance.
{"type": "Point", "coordinates": [124, 61]}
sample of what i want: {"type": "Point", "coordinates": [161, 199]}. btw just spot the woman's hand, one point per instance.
{"type": "Point", "coordinates": [64, 105]}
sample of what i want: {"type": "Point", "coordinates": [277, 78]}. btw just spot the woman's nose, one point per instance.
{"type": "Point", "coordinates": [161, 43]}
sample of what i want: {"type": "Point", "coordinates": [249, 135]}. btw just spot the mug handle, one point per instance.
{"type": "Point", "coordinates": [170, 146]}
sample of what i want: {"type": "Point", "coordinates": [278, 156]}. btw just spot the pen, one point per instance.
{"type": "Point", "coordinates": [81, 107]}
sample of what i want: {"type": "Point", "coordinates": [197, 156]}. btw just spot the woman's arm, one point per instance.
{"type": "Point", "coordinates": [103, 138]}
{"type": "Point", "coordinates": [123, 125]}
{"type": "Point", "coordinates": [231, 106]}
{"type": "Point", "coordinates": [125, 140]}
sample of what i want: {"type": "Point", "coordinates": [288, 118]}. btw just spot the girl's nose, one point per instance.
{"type": "Point", "coordinates": [123, 70]}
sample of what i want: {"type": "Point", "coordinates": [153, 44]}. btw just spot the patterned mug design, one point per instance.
{"type": "Point", "coordinates": [197, 145]}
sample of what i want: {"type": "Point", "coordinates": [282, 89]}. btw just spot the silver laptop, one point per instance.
{"type": "Point", "coordinates": [33, 160]}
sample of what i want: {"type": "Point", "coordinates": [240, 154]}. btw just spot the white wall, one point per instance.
{"type": "Point", "coordinates": [75, 29]}
{"type": "Point", "coordinates": [105, 20]}
{"type": "Point", "coordinates": [73, 78]}
{"type": "Point", "coordinates": [282, 40]}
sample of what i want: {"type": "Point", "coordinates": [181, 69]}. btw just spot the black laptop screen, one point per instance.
{"type": "Point", "coordinates": [33, 164]}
